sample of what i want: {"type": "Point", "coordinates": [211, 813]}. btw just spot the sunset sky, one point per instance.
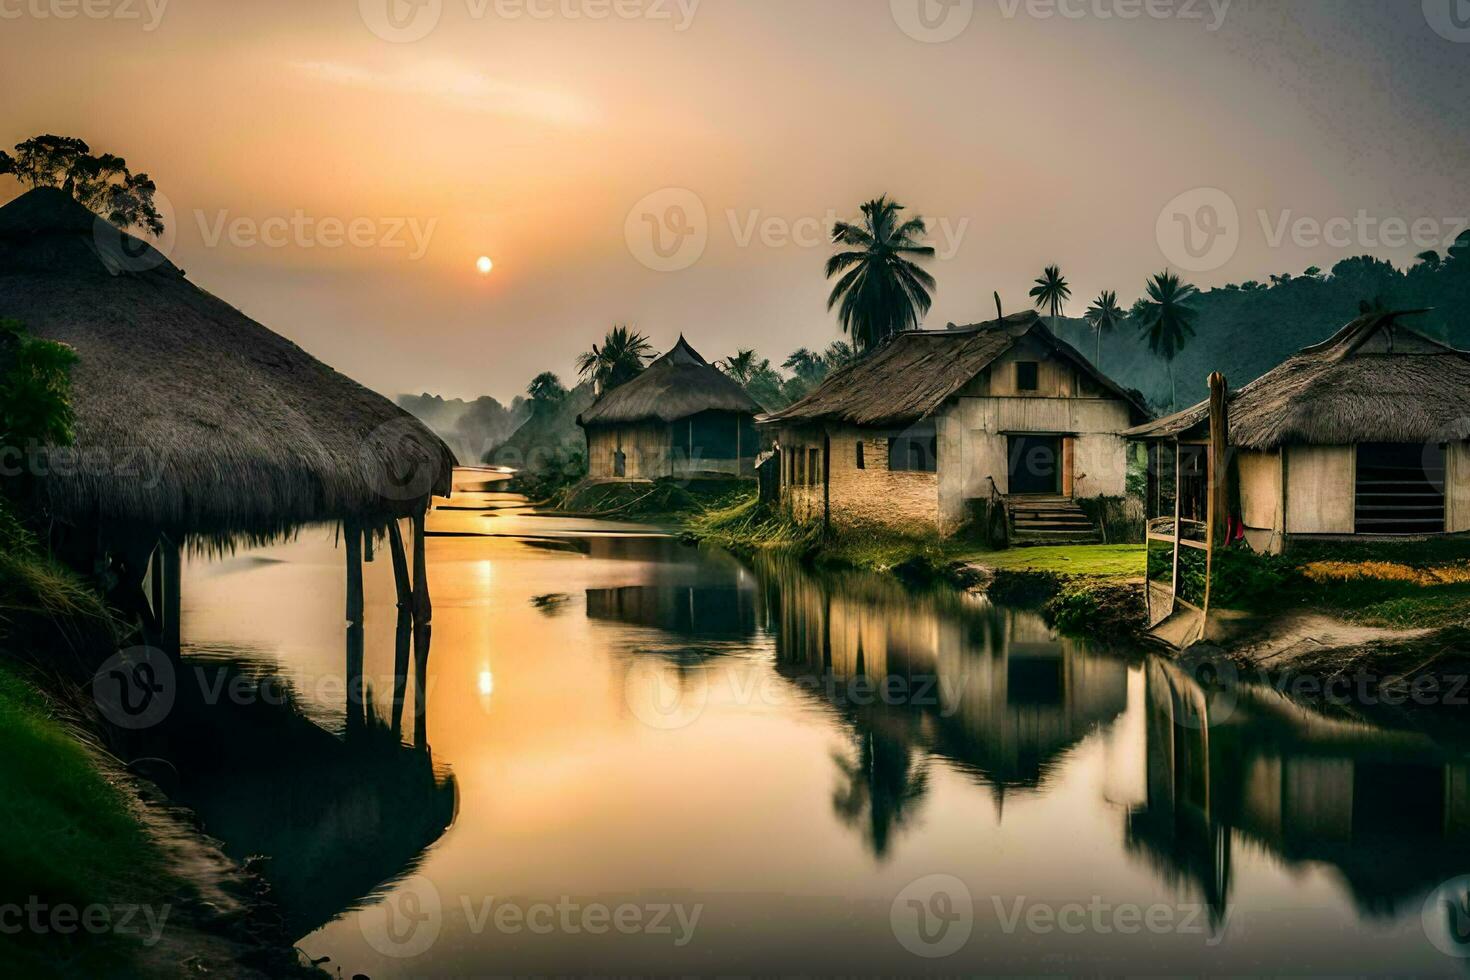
{"type": "Point", "coordinates": [527, 131]}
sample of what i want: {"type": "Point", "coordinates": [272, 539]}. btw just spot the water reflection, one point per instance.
{"type": "Point", "coordinates": [993, 691]}
{"type": "Point", "coordinates": [335, 818]}
{"type": "Point", "coordinates": [837, 738]}
{"type": "Point", "coordinates": [1388, 811]}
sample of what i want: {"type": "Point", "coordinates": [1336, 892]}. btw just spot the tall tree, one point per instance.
{"type": "Point", "coordinates": [880, 290]}
{"type": "Point", "coordinates": [102, 182]}
{"type": "Point", "coordinates": [742, 366]}
{"type": "Point", "coordinates": [1104, 316]}
{"type": "Point", "coordinates": [1052, 292]}
{"type": "Point", "coordinates": [620, 359]}
{"type": "Point", "coordinates": [1166, 320]}
{"type": "Point", "coordinates": [546, 391]}
{"type": "Point", "coordinates": [807, 365]}
{"type": "Point", "coordinates": [839, 354]}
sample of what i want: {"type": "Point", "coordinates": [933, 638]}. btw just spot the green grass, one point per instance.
{"type": "Point", "coordinates": [69, 838]}
{"type": "Point", "coordinates": [1099, 560]}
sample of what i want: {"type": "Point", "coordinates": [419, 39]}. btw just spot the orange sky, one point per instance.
{"type": "Point", "coordinates": [514, 129]}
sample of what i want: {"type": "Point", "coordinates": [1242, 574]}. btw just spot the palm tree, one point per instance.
{"type": "Point", "coordinates": [881, 291]}
{"type": "Point", "coordinates": [1429, 259]}
{"type": "Point", "coordinates": [621, 358]}
{"type": "Point", "coordinates": [742, 366]}
{"type": "Point", "coordinates": [546, 390]}
{"type": "Point", "coordinates": [1166, 320]}
{"type": "Point", "coordinates": [839, 354]}
{"type": "Point", "coordinates": [1104, 316]}
{"type": "Point", "coordinates": [807, 364]}
{"type": "Point", "coordinates": [1052, 292]}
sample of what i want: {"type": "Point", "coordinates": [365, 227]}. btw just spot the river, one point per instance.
{"type": "Point", "coordinates": [633, 756]}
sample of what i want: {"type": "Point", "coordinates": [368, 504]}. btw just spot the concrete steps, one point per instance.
{"type": "Point", "coordinates": [1050, 520]}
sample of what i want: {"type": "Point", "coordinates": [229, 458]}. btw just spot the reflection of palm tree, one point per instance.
{"type": "Point", "coordinates": [620, 358]}
{"type": "Point", "coordinates": [884, 783]}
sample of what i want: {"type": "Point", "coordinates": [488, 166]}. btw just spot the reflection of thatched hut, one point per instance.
{"type": "Point", "coordinates": [192, 420]}
{"type": "Point", "coordinates": [680, 417]}
{"type": "Point", "coordinates": [1366, 433]}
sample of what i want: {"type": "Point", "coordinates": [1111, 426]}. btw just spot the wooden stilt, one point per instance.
{"type": "Point", "coordinates": [423, 616]}
{"type": "Point", "coordinates": [171, 567]}
{"type": "Point", "coordinates": [402, 637]}
{"type": "Point", "coordinates": [352, 537]}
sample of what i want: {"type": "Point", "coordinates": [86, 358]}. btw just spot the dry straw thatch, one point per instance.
{"type": "Point", "coordinates": [1375, 380]}
{"type": "Point", "coordinates": [191, 417]}
{"type": "Point", "coordinates": [676, 386]}
{"type": "Point", "coordinates": [914, 373]}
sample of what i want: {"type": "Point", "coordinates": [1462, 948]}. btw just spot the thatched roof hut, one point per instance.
{"type": "Point", "coordinates": [1374, 381]}
{"type": "Point", "coordinates": [1367, 433]}
{"type": "Point", "coordinates": [680, 417]}
{"type": "Point", "coordinates": [674, 387]}
{"type": "Point", "coordinates": [914, 373]}
{"type": "Point", "coordinates": [192, 418]}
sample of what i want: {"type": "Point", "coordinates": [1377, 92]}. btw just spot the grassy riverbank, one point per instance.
{"type": "Point", "coordinates": [72, 844]}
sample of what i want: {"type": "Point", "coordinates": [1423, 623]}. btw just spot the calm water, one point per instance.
{"type": "Point", "coordinates": [637, 757]}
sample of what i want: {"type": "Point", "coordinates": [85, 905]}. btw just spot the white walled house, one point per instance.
{"type": "Point", "coordinates": [935, 426]}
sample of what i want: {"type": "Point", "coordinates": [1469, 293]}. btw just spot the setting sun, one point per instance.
{"type": "Point", "coordinates": [484, 264]}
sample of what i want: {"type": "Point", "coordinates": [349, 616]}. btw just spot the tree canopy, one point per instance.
{"type": "Point", "coordinates": [880, 290]}
{"type": "Point", "coordinates": [100, 181]}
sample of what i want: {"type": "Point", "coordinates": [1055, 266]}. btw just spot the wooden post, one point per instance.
{"type": "Point", "coordinates": [423, 616]}
{"type": "Point", "coordinates": [352, 533]}
{"type": "Point", "coordinates": [404, 630]}
{"type": "Point", "coordinates": [826, 482]}
{"type": "Point", "coordinates": [1218, 508]}
{"type": "Point", "coordinates": [171, 566]}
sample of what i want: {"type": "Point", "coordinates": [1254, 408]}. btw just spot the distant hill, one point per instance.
{"type": "Point", "coordinates": [549, 436]}
{"type": "Point", "coordinates": [1245, 331]}
{"type": "Point", "coordinates": [470, 428]}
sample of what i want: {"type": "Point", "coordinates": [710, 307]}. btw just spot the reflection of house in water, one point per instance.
{"type": "Point", "coordinates": [993, 691]}
{"type": "Point", "coordinates": [1389, 811]}
{"type": "Point", "coordinates": [715, 611]}
{"type": "Point", "coordinates": [716, 600]}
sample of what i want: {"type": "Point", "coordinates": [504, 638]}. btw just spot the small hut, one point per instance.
{"type": "Point", "coordinates": [936, 429]}
{"type": "Point", "coordinates": [1365, 434]}
{"type": "Point", "coordinates": [679, 418]}
{"type": "Point", "coordinates": [193, 422]}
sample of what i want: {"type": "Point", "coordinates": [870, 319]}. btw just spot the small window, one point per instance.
{"type": "Point", "coordinates": [814, 466]}
{"type": "Point", "coordinates": [620, 464]}
{"type": "Point", "coordinates": [861, 462]}
{"type": "Point", "coordinates": [1028, 376]}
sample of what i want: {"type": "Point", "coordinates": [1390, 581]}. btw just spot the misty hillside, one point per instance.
{"type": "Point", "coordinates": [1247, 330]}
{"type": "Point", "coordinates": [550, 433]}
{"type": "Point", "coordinates": [470, 428]}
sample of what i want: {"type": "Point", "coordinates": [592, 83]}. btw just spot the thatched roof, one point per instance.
{"type": "Point", "coordinates": [911, 376]}
{"type": "Point", "coordinates": [676, 386]}
{"type": "Point", "coordinates": [1375, 380]}
{"type": "Point", "coordinates": [190, 416]}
